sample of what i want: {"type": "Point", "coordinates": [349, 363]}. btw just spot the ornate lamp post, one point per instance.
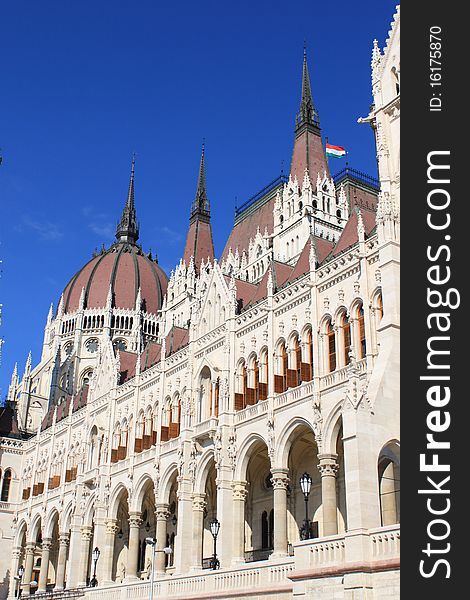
{"type": "Point", "coordinates": [95, 556]}
{"type": "Point", "coordinates": [150, 541]}
{"type": "Point", "coordinates": [214, 527]}
{"type": "Point", "coordinates": [306, 486]}
{"type": "Point", "coordinates": [19, 578]}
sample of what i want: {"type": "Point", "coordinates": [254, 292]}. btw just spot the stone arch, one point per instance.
{"type": "Point", "coordinates": [52, 518]}
{"type": "Point", "coordinates": [245, 452]}
{"type": "Point", "coordinates": [89, 512]}
{"type": "Point", "coordinates": [66, 517]}
{"type": "Point", "coordinates": [35, 528]}
{"type": "Point", "coordinates": [21, 530]}
{"type": "Point", "coordinates": [286, 438]}
{"type": "Point", "coordinates": [388, 466]}
{"type": "Point", "coordinates": [205, 464]}
{"type": "Point", "coordinates": [141, 488]}
{"type": "Point", "coordinates": [166, 481]}
{"type": "Point", "coordinates": [331, 427]}
{"type": "Point", "coordinates": [116, 496]}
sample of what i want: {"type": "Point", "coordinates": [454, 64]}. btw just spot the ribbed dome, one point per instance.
{"type": "Point", "coordinates": [126, 268]}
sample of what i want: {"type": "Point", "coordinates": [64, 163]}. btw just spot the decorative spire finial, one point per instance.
{"type": "Point", "coordinates": [128, 228]}
{"type": "Point", "coordinates": [201, 206]}
{"type": "Point", "coordinates": [307, 114]}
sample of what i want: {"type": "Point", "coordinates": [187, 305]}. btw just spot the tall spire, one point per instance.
{"type": "Point", "coordinates": [128, 228]}
{"type": "Point", "coordinates": [307, 114]}
{"type": "Point", "coordinates": [199, 244]}
{"type": "Point", "coordinates": [201, 206]}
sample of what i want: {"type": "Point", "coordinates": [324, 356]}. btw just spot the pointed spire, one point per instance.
{"type": "Point", "coordinates": [60, 308]}
{"type": "Point", "coordinates": [201, 206]}
{"type": "Point", "coordinates": [361, 230]}
{"type": "Point", "coordinates": [128, 228]}
{"type": "Point", "coordinates": [50, 315]}
{"type": "Point", "coordinates": [81, 302]}
{"type": "Point", "coordinates": [27, 369]}
{"type": "Point", "coordinates": [14, 375]}
{"type": "Point", "coordinates": [307, 114]}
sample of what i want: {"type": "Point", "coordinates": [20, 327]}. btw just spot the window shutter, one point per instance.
{"type": "Point", "coordinates": [239, 401]}
{"type": "Point", "coordinates": [164, 433]}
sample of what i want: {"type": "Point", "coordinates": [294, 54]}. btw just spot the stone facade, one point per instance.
{"type": "Point", "coordinates": [279, 360]}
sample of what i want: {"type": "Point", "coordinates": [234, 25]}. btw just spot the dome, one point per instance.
{"type": "Point", "coordinates": [126, 269]}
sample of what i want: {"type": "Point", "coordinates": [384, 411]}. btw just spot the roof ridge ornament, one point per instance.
{"type": "Point", "coordinates": [201, 205]}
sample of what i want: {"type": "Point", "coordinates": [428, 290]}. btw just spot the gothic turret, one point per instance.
{"type": "Point", "coordinates": [199, 243]}
{"type": "Point", "coordinates": [128, 228]}
{"type": "Point", "coordinates": [308, 150]}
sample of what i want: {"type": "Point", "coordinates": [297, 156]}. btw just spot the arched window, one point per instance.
{"type": "Point", "coordinates": [293, 373]}
{"type": "Point", "coordinates": [389, 485]}
{"type": "Point", "coordinates": [175, 417]}
{"type": "Point", "coordinates": [331, 347]}
{"type": "Point", "coordinates": [252, 390]}
{"type": "Point", "coordinates": [242, 384]}
{"type": "Point", "coordinates": [306, 366]}
{"type": "Point", "coordinates": [379, 309]}
{"type": "Point", "coordinates": [361, 332]}
{"type": "Point", "coordinates": [139, 433]}
{"type": "Point", "coordinates": [346, 331]}
{"type": "Point", "coordinates": [6, 485]}
{"type": "Point", "coordinates": [166, 416]}
{"type": "Point", "coordinates": [280, 378]}
{"type": "Point", "coordinates": [263, 375]}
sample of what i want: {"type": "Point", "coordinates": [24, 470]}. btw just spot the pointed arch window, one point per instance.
{"type": "Point", "coordinates": [6, 485]}
{"type": "Point", "coordinates": [263, 376]}
{"type": "Point", "coordinates": [346, 329]}
{"type": "Point", "coordinates": [242, 385]}
{"type": "Point", "coordinates": [362, 347]}
{"type": "Point", "coordinates": [331, 347]}
{"type": "Point", "coordinates": [306, 366]}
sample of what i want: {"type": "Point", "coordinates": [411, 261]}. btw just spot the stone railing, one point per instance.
{"type": "Point", "coordinates": [205, 427]}
{"type": "Point", "coordinates": [301, 391]}
{"type": "Point", "coordinates": [250, 412]}
{"type": "Point", "coordinates": [385, 542]}
{"type": "Point", "coordinates": [265, 577]}
{"type": "Point", "coordinates": [341, 375]}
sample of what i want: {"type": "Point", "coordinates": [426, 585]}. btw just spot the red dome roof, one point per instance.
{"type": "Point", "coordinates": [126, 268]}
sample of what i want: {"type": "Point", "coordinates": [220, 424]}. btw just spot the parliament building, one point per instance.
{"type": "Point", "coordinates": [253, 395]}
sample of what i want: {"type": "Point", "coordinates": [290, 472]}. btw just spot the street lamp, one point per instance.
{"type": "Point", "coordinates": [214, 526]}
{"type": "Point", "coordinates": [150, 541]}
{"type": "Point", "coordinates": [306, 486]}
{"type": "Point", "coordinates": [95, 556]}
{"type": "Point", "coordinates": [18, 578]}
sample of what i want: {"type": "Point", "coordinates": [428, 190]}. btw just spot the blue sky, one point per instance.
{"type": "Point", "coordinates": [85, 84]}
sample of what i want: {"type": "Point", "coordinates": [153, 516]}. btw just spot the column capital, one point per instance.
{"type": "Point", "coordinates": [111, 526]}
{"type": "Point", "coordinates": [162, 512]}
{"type": "Point", "coordinates": [64, 539]}
{"type": "Point", "coordinates": [30, 547]}
{"type": "Point", "coordinates": [199, 502]}
{"type": "Point", "coordinates": [135, 519]}
{"type": "Point", "coordinates": [239, 490]}
{"type": "Point", "coordinates": [86, 532]}
{"type": "Point", "coordinates": [280, 479]}
{"type": "Point", "coordinates": [328, 466]}
{"type": "Point", "coordinates": [46, 543]}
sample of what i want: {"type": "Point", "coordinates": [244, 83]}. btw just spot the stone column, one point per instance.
{"type": "Point", "coordinates": [280, 483]}
{"type": "Point", "coordinates": [161, 514]}
{"type": "Point", "coordinates": [182, 560]}
{"type": "Point", "coordinates": [72, 570]}
{"type": "Point", "coordinates": [135, 522]}
{"type": "Point", "coordinates": [28, 568]}
{"type": "Point", "coordinates": [46, 549]}
{"type": "Point", "coordinates": [239, 496]}
{"type": "Point", "coordinates": [61, 561]}
{"type": "Point", "coordinates": [108, 553]}
{"type": "Point", "coordinates": [86, 537]}
{"type": "Point", "coordinates": [15, 563]}
{"type": "Point", "coordinates": [199, 505]}
{"type": "Point", "coordinates": [328, 468]}
{"type": "Point", "coordinates": [225, 515]}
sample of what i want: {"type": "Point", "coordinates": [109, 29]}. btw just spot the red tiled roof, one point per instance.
{"type": "Point", "coordinates": [302, 266]}
{"type": "Point", "coordinates": [349, 235]}
{"type": "Point", "coordinates": [199, 243]}
{"type": "Point", "coordinates": [8, 422]}
{"type": "Point", "coordinates": [176, 339]}
{"type": "Point", "coordinates": [308, 152]}
{"type": "Point", "coordinates": [126, 268]}
{"type": "Point", "coordinates": [150, 356]}
{"type": "Point", "coordinates": [127, 364]}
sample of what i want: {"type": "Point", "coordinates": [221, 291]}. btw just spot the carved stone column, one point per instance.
{"type": "Point", "coordinates": [64, 539]}
{"type": "Point", "coordinates": [86, 537]}
{"type": "Point", "coordinates": [135, 522]}
{"type": "Point", "coordinates": [28, 569]}
{"type": "Point", "coordinates": [15, 563]}
{"type": "Point", "coordinates": [162, 515]}
{"type": "Point", "coordinates": [280, 484]}
{"type": "Point", "coordinates": [108, 554]}
{"type": "Point", "coordinates": [199, 505]}
{"type": "Point", "coordinates": [328, 468]}
{"type": "Point", "coordinates": [239, 497]}
{"type": "Point", "coordinates": [46, 549]}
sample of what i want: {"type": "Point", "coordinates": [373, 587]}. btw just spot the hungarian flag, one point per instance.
{"type": "Point", "coordinates": [335, 151]}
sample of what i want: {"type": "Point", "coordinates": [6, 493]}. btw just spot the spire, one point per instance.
{"type": "Point", "coordinates": [201, 206]}
{"type": "Point", "coordinates": [199, 243]}
{"type": "Point", "coordinates": [128, 228]}
{"type": "Point", "coordinates": [307, 114]}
